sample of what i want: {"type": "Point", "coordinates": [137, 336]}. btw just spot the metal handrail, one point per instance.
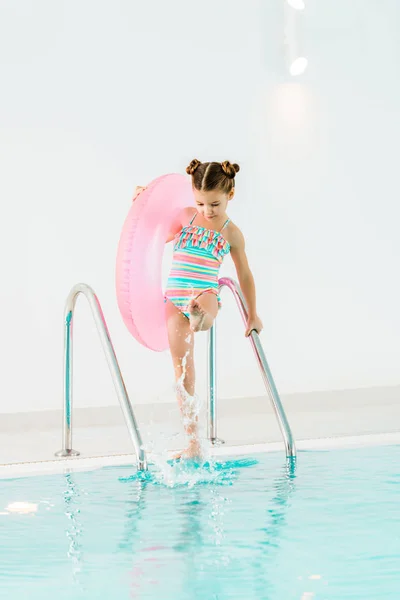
{"type": "Point", "coordinates": [262, 363]}
{"type": "Point", "coordinates": [101, 325]}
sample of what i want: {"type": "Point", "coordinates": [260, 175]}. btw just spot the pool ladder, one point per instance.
{"type": "Point", "coordinates": [101, 325]}
{"type": "Point", "coordinates": [126, 406]}
{"type": "Point", "coordinates": [264, 368]}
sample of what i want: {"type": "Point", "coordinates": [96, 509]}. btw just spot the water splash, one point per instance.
{"type": "Point", "coordinates": [190, 473]}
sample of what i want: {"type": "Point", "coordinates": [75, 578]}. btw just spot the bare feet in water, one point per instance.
{"type": "Point", "coordinates": [193, 451]}
{"type": "Point", "coordinates": [196, 315]}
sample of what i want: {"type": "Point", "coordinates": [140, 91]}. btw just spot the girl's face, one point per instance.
{"type": "Point", "coordinates": [212, 205]}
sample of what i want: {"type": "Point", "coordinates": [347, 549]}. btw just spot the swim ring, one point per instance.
{"type": "Point", "coordinates": [139, 258]}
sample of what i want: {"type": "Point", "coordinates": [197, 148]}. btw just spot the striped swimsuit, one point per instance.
{"type": "Point", "coordinates": [198, 254]}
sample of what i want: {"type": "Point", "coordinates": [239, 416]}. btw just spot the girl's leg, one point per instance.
{"type": "Point", "coordinates": [203, 311]}
{"type": "Point", "coordinates": [181, 341]}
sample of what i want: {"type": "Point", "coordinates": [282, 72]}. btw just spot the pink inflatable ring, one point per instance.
{"type": "Point", "coordinates": [139, 259]}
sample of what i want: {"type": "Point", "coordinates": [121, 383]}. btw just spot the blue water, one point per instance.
{"type": "Point", "coordinates": [252, 528]}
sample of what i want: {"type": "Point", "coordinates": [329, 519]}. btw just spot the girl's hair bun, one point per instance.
{"type": "Point", "coordinates": [229, 169]}
{"type": "Point", "coordinates": [193, 166]}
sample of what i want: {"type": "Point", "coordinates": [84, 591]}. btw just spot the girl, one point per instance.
{"type": "Point", "coordinates": [203, 236]}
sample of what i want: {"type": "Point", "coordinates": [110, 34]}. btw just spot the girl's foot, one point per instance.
{"type": "Point", "coordinates": [197, 314]}
{"type": "Point", "coordinates": [193, 451]}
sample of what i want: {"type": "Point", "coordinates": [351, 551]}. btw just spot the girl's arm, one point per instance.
{"type": "Point", "coordinates": [246, 281]}
{"type": "Point", "coordinates": [182, 219]}
{"type": "Point", "coordinates": [174, 229]}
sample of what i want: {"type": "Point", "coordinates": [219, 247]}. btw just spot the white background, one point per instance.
{"type": "Point", "coordinates": [98, 96]}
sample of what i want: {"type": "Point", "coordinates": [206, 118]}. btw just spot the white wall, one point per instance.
{"type": "Point", "coordinates": [99, 96]}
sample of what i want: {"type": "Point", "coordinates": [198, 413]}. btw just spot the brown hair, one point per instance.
{"type": "Point", "coordinates": [213, 175]}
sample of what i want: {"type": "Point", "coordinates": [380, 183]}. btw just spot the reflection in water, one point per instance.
{"type": "Point", "coordinates": [191, 541]}
{"type": "Point", "coordinates": [276, 513]}
{"type": "Point", "coordinates": [284, 487]}
{"type": "Point", "coordinates": [218, 559]}
{"type": "Point", "coordinates": [74, 529]}
{"type": "Point", "coordinates": [133, 515]}
{"type": "Point", "coordinates": [197, 532]}
{"type": "Point", "coordinates": [134, 535]}
{"type": "Point", "coordinates": [217, 502]}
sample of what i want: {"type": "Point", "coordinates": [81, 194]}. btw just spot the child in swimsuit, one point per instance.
{"type": "Point", "coordinates": [203, 236]}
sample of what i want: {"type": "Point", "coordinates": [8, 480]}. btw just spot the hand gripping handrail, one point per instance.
{"type": "Point", "coordinates": [265, 372]}
{"type": "Point", "coordinates": [101, 325]}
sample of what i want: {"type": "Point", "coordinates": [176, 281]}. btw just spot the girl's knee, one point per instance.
{"type": "Point", "coordinates": [208, 322]}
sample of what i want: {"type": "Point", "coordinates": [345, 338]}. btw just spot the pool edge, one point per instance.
{"type": "Point", "coordinates": [67, 465]}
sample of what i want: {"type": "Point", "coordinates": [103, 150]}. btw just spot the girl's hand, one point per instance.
{"type": "Point", "coordinates": [138, 190]}
{"type": "Point", "coordinates": [253, 323]}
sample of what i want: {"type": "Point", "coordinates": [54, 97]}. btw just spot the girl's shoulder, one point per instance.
{"type": "Point", "coordinates": [186, 215]}
{"type": "Point", "coordinates": [232, 234]}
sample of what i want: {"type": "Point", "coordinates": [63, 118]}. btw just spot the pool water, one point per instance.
{"type": "Point", "coordinates": [250, 528]}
